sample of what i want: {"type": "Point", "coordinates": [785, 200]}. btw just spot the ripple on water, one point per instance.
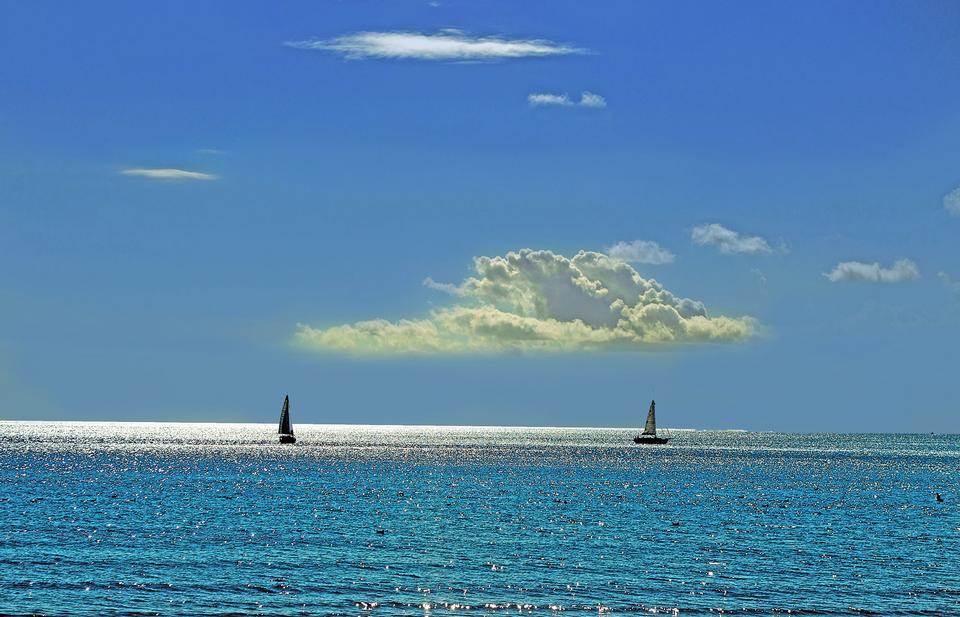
{"type": "Point", "coordinates": [217, 519]}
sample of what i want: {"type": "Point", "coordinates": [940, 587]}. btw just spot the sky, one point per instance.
{"type": "Point", "coordinates": [482, 213]}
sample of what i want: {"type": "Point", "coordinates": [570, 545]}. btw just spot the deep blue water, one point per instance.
{"type": "Point", "coordinates": [189, 519]}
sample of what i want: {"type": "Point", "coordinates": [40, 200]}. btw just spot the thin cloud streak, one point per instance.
{"type": "Point", "coordinates": [641, 252]}
{"type": "Point", "coordinates": [729, 242]}
{"type": "Point", "coordinates": [167, 173]}
{"type": "Point", "coordinates": [448, 288]}
{"type": "Point", "coordinates": [542, 99]}
{"type": "Point", "coordinates": [901, 271]}
{"type": "Point", "coordinates": [587, 99]}
{"type": "Point", "coordinates": [447, 45]}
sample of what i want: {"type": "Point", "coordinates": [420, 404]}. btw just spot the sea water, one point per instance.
{"type": "Point", "coordinates": [219, 519]}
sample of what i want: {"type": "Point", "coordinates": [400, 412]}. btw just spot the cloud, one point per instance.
{"type": "Point", "coordinates": [587, 99]}
{"type": "Point", "coordinates": [540, 301]}
{"type": "Point", "coordinates": [728, 241]}
{"type": "Point", "coordinates": [901, 271]}
{"type": "Point", "coordinates": [449, 288]}
{"type": "Point", "coordinates": [952, 285]}
{"type": "Point", "coordinates": [446, 45]}
{"type": "Point", "coordinates": [540, 99]}
{"type": "Point", "coordinates": [951, 202]}
{"type": "Point", "coordinates": [168, 174]}
{"type": "Point", "coordinates": [640, 251]}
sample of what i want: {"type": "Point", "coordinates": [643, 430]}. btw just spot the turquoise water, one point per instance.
{"type": "Point", "coordinates": [217, 519]}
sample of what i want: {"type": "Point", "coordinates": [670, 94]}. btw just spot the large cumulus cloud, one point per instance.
{"type": "Point", "coordinates": [541, 301]}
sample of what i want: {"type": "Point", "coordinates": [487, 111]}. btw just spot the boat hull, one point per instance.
{"type": "Point", "coordinates": [650, 440]}
{"type": "Point", "coordinates": [288, 439]}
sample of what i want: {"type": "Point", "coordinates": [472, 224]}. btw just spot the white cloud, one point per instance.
{"type": "Point", "coordinates": [538, 99]}
{"type": "Point", "coordinates": [728, 241]}
{"type": "Point", "coordinates": [446, 45]}
{"type": "Point", "coordinates": [951, 202]}
{"type": "Point", "coordinates": [640, 251]}
{"type": "Point", "coordinates": [540, 301]}
{"type": "Point", "coordinates": [449, 288]}
{"type": "Point", "coordinates": [901, 271]}
{"type": "Point", "coordinates": [168, 174]}
{"type": "Point", "coordinates": [587, 99]}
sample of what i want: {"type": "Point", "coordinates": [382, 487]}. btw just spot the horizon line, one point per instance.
{"type": "Point", "coordinates": [479, 426]}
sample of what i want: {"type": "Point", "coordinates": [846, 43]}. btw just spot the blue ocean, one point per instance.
{"type": "Point", "coordinates": [219, 519]}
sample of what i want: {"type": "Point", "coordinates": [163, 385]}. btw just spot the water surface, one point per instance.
{"type": "Point", "coordinates": [218, 519]}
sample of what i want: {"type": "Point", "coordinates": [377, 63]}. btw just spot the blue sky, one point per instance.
{"type": "Point", "coordinates": [344, 169]}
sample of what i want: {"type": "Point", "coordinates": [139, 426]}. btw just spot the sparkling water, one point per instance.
{"type": "Point", "coordinates": [219, 519]}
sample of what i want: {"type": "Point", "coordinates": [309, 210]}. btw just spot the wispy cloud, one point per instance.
{"type": "Point", "coordinates": [951, 284]}
{"type": "Point", "coordinates": [540, 301]}
{"type": "Point", "coordinates": [166, 173]}
{"type": "Point", "coordinates": [641, 252]}
{"type": "Point", "coordinates": [541, 99]}
{"type": "Point", "coordinates": [729, 242]}
{"type": "Point", "coordinates": [587, 99]}
{"type": "Point", "coordinates": [450, 288]}
{"type": "Point", "coordinates": [759, 276]}
{"type": "Point", "coordinates": [901, 271]}
{"type": "Point", "coordinates": [446, 45]}
{"type": "Point", "coordinates": [951, 202]}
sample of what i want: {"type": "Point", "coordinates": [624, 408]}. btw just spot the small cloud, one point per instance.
{"type": "Point", "coordinates": [730, 242]}
{"type": "Point", "coordinates": [541, 301]}
{"type": "Point", "coordinates": [587, 99]}
{"type": "Point", "coordinates": [163, 173]}
{"type": "Point", "coordinates": [951, 202]}
{"type": "Point", "coordinates": [450, 288]}
{"type": "Point", "coordinates": [902, 270]}
{"type": "Point", "coordinates": [446, 45]}
{"type": "Point", "coordinates": [538, 99]}
{"type": "Point", "coordinates": [211, 151]}
{"type": "Point", "coordinates": [641, 252]}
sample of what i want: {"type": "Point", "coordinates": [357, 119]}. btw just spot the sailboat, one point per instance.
{"type": "Point", "coordinates": [286, 431]}
{"type": "Point", "coordinates": [649, 434]}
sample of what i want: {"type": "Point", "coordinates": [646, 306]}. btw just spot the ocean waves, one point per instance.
{"type": "Point", "coordinates": [113, 519]}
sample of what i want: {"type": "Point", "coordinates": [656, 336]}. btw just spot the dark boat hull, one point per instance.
{"type": "Point", "coordinates": [288, 439]}
{"type": "Point", "coordinates": [650, 440]}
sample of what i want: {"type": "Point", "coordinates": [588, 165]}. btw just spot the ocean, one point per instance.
{"type": "Point", "coordinates": [218, 519]}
